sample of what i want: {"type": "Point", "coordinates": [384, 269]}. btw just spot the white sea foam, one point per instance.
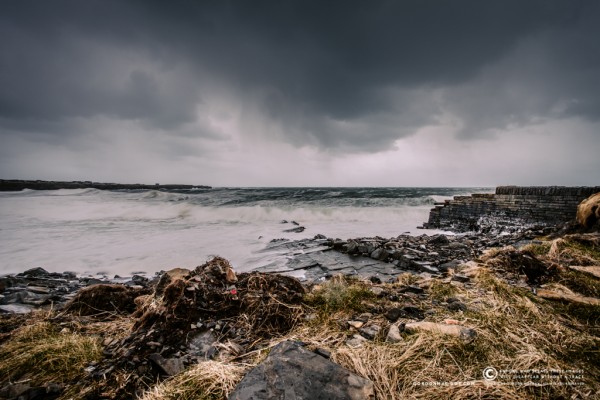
{"type": "Point", "coordinates": [91, 231]}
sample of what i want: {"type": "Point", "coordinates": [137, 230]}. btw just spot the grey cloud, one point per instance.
{"type": "Point", "coordinates": [337, 75]}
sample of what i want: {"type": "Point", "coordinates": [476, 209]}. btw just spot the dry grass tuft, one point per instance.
{"type": "Point", "coordinates": [44, 354]}
{"type": "Point", "coordinates": [206, 381]}
{"type": "Point", "coordinates": [339, 293]}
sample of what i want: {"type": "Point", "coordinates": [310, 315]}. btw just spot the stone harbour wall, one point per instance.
{"type": "Point", "coordinates": [509, 209]}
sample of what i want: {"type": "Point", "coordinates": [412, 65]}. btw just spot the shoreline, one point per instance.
{"type": "Point", "coordinates": [12, 185]}
{"type": "Point", "coordinates": [505, 316]}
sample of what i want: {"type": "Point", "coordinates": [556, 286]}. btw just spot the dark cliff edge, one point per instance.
{"type": "Point", "coordinates": [16, 185]}
{"type": "Point", "coordinates": [509, 209]}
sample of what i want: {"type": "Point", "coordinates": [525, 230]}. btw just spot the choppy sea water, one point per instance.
{"type": "Point", "coordinates": [92, 231]}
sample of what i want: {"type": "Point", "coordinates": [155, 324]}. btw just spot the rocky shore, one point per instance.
{"type": "Point", "coordinates": [430, 316]}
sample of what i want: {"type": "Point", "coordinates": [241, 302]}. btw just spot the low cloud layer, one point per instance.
{"type": "Point", "coordinates": [230, 93]}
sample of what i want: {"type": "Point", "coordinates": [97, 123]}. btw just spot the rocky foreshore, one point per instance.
{"type": "Point", "coordinates": [364, 320]}
{"type": "Point", "coordinates": [17, 185]}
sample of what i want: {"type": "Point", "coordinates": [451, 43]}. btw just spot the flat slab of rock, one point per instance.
{"type": "Point", "coordinates": [591, 270]}
{"type": "Point", "coordinates": [568, 297]}
{"type": "Point", "coordinates": [16, 308]}
{"type": "Point", "coordinates": [454, 330]}
{"type": "Point", "coordinates": [291, 372]}
{"type": "Point", "coordinates": [310, 260]}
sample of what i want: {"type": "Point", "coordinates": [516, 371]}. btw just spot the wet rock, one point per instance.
{"type": "Point", "coordinates": [462, 332]}
{"type": "Point", "coordinates": [297, 229]}
{"type": "Point", "coordinates": [38, 289]}
{"type": "Point", "coordinates": [438, 240]}
{"type": "Point", "coordinates": [425, 266]}
{"type": "Point", "coordinates": [292, 372]}
{"type": "Point", "coordinates": [34, 273]}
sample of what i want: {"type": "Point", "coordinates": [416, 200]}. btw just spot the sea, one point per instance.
{"type": "Point", "coordinates": [99, 232]}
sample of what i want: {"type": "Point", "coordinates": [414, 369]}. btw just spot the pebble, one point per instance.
{"type": "Point", "coordinates": [393, 335]}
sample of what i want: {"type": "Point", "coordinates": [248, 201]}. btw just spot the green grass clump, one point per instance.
{"type": "Point", "coordinates": [538, 249]}
{"type": "Point", "coordinates": [44, 354]}
{"type": "Point", "coordinates": [340, 294]}
{"type": "Point", "coordinates": [441, 290]}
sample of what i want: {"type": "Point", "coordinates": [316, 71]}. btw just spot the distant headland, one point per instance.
{"type": "Point", "coordinates": [16, 185]}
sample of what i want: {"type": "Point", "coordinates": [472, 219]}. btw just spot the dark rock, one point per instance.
{"type": "Point", "coordinates": [449, 265]}
{"type": "Point", "coordinates": [14, 390]}
{"type": "Point", "coordinates": [425, 266]}
{"type": "Point", "coordinates": [320, 237]}
{"type": "Point", "coordinates": [380, 254]}
{"type": "Point", "coordinates": [439, 240]}
{"type": "Point", "coordinates": [411, 289]}
{"type": "Point", "coordinates": [298, 229]}
{"type": "Point", "coordinates": [34, 273]}
{"type": "Point", "coordinates": [375, 279]}
{"type": "Point", "coordinates": [457, 306]}
{"type": "Point", "coordinates": [323, 352]}
{"type": "Point", "coordinates": [170, 366]}
{"type": "Point", "coordinates": [460, 278]}
{"type": "Point", "coordinates": [406, 311]}
{"type": "Point", "coordinates": [292, 372]}
{"type": "Point", "coordinates": [413, 312]}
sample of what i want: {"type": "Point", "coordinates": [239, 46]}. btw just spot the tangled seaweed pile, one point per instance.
{"type": "Point", "coordinates": [190, 317]}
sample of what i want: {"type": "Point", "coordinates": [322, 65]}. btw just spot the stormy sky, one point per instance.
{"type": "Point", "coordinates": [301, 93]}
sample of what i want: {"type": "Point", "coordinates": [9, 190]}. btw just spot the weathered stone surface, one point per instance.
{"type": "Point", "coordinates": [591, 270]}
{"type": "Point", "coordinates": [356, 341]}
{"type": "Point", "coordinates": [170, 366]}
{"type": "Point", "coordinates": [567, 297]}
{"type": "Point", "coordinates": [393, 335]}
{"type": "Point", "coordinates": [16, 308]}
{"type": "Point", "coordinates": [510, 209]}
{"type": "Point", "coordinates": [370, 331]}
{"type": "Point", "coordinates": [292, 372]}
{"type": "Point", "coordinates": [454, 330]}
{"type": "Point", "coordinates": [588, 211]}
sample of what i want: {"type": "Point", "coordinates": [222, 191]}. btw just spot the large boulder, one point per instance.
{"type": "Point", "coordinates": [292, 372]}
{"type": "Point", "coordinates": [588, 211]}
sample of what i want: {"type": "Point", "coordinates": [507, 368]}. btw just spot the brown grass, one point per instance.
{"type": "Point", "coordinates": [209, 380]}
{"type": "Point", "coordinates": [43, 353]}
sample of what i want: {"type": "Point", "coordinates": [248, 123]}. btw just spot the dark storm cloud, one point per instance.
{"type": "Point", "coordinates": [340, 75]}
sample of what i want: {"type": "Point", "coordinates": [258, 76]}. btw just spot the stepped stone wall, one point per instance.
{"type": "Point", "coordinates": [510, 208]}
